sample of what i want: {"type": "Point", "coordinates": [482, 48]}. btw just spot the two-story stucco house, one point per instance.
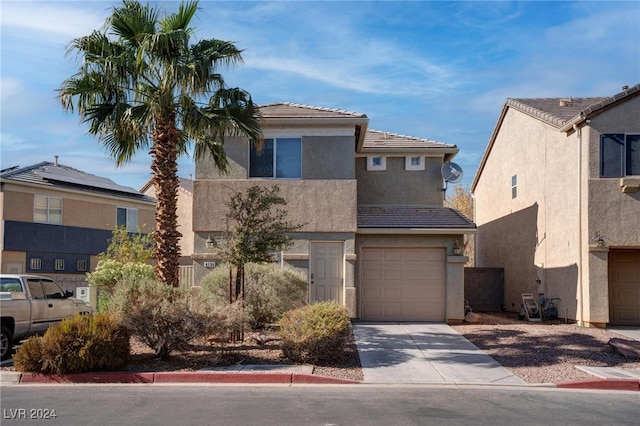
{"type": "Point", "coordinates": [56, 219]}
{"type": "Point", "coordinates": [557, 204]}
{"type": "Point", "coordinates": [375, 237]}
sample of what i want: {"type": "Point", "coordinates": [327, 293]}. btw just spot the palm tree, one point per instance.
{"type": "Point", "coordinates": [143, 85]}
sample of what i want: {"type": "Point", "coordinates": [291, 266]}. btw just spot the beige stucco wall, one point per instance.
{"type": "Point", "coordinates": [323, 157]}
{"type": "Point", "coordinates": [80, 210]}
{"type": "Point", "coordinates": [320, 205]}
{"type": "Point", "coordinates": [534, 236]}
{"type": "Point", "coordinates": [546, 232]}
{"type": "Point", "coordinates": [397, 186]}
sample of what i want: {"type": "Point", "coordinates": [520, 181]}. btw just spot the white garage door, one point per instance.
{"type": "Point", "coordinates": [403, 284]}
{"type": "Point", "coordinates": [624, 287]}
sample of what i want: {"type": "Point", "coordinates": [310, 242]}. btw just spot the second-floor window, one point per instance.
{"type": "Point", "coordinates": [620, 155]}
{"type": "Point", "coordinates": [47, 210]}
{"type": "Point", "coordinates": [280, 158]}
{"type": "Point", "coordinates": [127, 218]}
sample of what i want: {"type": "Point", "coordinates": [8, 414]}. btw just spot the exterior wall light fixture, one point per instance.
{"type": "Point", "coordinates": [210, 242]}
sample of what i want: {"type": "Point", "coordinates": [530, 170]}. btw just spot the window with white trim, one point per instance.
{"type": "Point", "coordinates": [127, 218]}
{"type": "Point", "coordinates": [81, 265]}
{"type": "Point", "coordinates": [47, 209]}
{"type": "Point", "coordinates": [514, 186]}
{"type": "Point", "coordinates": [279, 158]}
{"type": "Point", "coordinates": [376, 163]}
{"type": "Point", "coordinates": [58, 264]}
{"type": "Point", "coordinates": [619, 154]}
{"type": "Point", "coordinates": [414, 163]}
{"type": "Point", "coordinates": [35, 263]}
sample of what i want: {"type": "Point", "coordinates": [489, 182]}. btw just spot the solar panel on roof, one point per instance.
{"type": "Point", "coordinates": [63, 174]}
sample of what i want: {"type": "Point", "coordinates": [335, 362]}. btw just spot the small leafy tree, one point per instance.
{"type": "Point", "coordinates": [127, 256]}
{"type": "Point", "coordinates": [259, 230]}
{"type": "Point", "coordinates": [126, 247]}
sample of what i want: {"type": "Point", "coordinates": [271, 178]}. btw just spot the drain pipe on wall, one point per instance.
{"type": "Point", "coordinates": [580, 313]}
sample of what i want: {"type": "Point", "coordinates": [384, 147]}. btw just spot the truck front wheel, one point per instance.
{"type": "Point", "coordinates": [6, 343]}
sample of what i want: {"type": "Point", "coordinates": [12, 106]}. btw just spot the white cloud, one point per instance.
{"type": "Point", "coordinates": [52, 21]}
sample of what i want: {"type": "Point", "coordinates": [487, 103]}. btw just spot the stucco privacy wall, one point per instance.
{"type": "Point", "coordinates": [454, 267]}
{"type": "Point", "coordinates": [534, 236]}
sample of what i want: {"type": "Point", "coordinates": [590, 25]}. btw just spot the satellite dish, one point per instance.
{"type": "Point", "coordinates": [450, 172]}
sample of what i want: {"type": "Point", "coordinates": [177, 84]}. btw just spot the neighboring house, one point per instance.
{"type": "Point", "coordinates": [558, 205]}
{"type": "Point", "coordinates": [56, 219]}
{"type": "Point", "coordinates": [375, 237]}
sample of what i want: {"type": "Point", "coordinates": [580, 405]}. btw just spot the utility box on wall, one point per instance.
{"type": "Point", "coordinates": [89, 295]}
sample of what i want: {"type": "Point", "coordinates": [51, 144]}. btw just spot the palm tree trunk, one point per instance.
{"type": "Point", "coordinates": [164, 166]}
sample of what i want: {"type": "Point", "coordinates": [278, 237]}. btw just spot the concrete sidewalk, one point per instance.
{"type": "Point", "coordinates": [424, 353]}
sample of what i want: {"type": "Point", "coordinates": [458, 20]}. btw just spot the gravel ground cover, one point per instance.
{"type": "Point", "coordinates": [544, 352]}
{"type": "Point", "coordinates": [537, 352]}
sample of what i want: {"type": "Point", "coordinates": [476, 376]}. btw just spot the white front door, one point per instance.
{"type": "Point", "coordinates": [326, 272]}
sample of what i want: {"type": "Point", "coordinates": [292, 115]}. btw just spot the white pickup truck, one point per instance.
{"type": "Point", "coordinates": [30, 304]}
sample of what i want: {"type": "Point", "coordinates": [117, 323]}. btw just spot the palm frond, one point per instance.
{"type": "Point", "coordinates": [133, 21]}
{"type": "Point", "coordinates": [181, 19]}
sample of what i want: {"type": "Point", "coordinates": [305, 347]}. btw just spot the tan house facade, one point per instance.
{"type": "Point", "coordinates": [56, 219]}
{"type": "Point", "coordinates": [557, 204]}
{"type": "Point", "coordinates": [375, 237]}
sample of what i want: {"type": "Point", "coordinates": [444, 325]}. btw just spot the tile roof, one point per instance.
{"type": "Point", "coordinates": [560, 111]}
{"type": "Point", "coordinates": [52, 175]}
{"type": "Point", "coordinates": [380, 139]}
{"type": "Point", "coordinates": [412, 218]}
{"type": "Point", "coordinates": [292, 110]}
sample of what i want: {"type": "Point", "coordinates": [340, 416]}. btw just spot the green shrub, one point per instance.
{"type": "Point", "coordinates": [79, 344]}
{"type": "Point", "coordinates": [270, 291]}
{"type": "Point", "coordinates": [315, 333]}
{"type": "Point", "coordinates": [28, 357]}
{"type": "Point", "coordinates": [109, 272]}
{"type": "Point", "coordinates": [162, 317]}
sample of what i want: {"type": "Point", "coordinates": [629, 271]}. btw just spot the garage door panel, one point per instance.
{"type": "Point", "coordinates": [624, 287]}
{"type": "Point", "coordinates": [392, 256]}
{"type": "Point", "coordinates": [402, 284]}
{"type": "Point", "coordinates": [392, 274]}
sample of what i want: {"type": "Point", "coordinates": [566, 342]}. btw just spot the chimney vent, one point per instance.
{"type": "Point", "coordinates": [55, 161]}
{"type": "Point", "coordinates": [566, 101]}
{"type": "Point", "coordinates": [625, 87]}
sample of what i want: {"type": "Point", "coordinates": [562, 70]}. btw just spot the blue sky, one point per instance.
{"type": "Point", "coordinates": [431, 69]}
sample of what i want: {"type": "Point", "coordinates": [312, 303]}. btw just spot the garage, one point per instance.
{"type": "Point", "coordinates": [624, 287]}
{"type": "Point", "coordinates": [402, 284]}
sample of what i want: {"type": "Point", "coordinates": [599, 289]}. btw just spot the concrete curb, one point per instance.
{"type": "Point", "coordinates": [603, 384]}
{"type": "Point", "coordinates": [275, 377]}
{"type": "Point", "coordinates": [176, 377]}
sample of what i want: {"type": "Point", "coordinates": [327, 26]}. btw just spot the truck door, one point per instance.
{"type": "Point", "coordinates": [39, 307]}
{"type": "Point", "coordinates": [59, 306]}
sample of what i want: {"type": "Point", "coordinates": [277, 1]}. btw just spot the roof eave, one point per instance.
{"type": "Point", "coordinates": [417, 231]}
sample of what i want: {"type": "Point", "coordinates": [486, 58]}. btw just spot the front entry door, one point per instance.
{"type": "Point", "coordinates": [326, 272]}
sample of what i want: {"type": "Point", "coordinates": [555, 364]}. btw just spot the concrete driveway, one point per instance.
{"type": "Point", "coordinates": [408, 352]}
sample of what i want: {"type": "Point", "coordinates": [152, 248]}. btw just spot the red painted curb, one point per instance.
{"type": "Point", "coordinates": [88, 378]}
{"type": "Point", "coordinates": [215, 377]}
{"type": "Point", "coordinates": [310, 378]}
{"type": "Point", "coordinates": [603, 384]}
